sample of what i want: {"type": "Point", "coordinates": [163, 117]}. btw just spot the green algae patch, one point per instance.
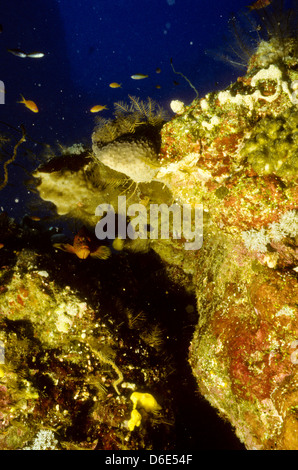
{"type": "Point", "coordinates": [273, 146]}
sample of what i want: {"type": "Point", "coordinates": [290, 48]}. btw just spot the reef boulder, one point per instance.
{"type": "Point", "coordinates": [238, 150]}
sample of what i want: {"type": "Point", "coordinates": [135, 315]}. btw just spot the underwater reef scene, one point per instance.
{"type": "Point", "coordinates": [129, 343]}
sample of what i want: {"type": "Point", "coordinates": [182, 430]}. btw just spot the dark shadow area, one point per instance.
{"type": "Point", "coordinates": [138, 282]}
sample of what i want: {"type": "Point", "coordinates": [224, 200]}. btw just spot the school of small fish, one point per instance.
{"type": "Point", "coordinates": [83, 245]}
{"type": "Point", "coordinates": [32, 106]}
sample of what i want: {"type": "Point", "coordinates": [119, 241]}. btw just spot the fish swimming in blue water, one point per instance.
{"type": "Point", "coordinates": [17, 53]}
{"type": "Point", "coordinates": [29, 104]}
{"type": "Point", "coordinates": [138, 76]}
{"type": "Point", "coordinates": [23, 55]}
{"type": "Point", "coordinates": [35, 55]}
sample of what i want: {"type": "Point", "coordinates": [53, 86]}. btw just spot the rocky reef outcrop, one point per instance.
{"type": "Point", "coordinates": [236, 152]}
{"type": "Point", "coordinates": [234, 155]}
{"type": "Point", "coordinates": [80, 353]}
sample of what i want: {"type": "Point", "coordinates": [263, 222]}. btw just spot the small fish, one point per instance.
{"type": "Point", "coordinates": [138, 76]}
{"type": "Point", "coordinates": [115, 85]}
{"type": "Point", "coordinates": [20, 53]}
{"type": "Point", "coordinates": [97, 108]}
{"type": "Point", "coordinates": [158, 70]}
{"type": "Point", "coordinates": [84, 245]}
{"type": "Point", "coordinates": [29, 104]}
{"type": "Point", "coordinates": [259, 4]}
{"type": "Point", "coordinates": [157, 86]}
{"type": "Point", "coordinates": [1, 245]}
{"type": "Point", "coordinates": [35, 55]}
{"type": "Point", "coordinates": [17, 52]}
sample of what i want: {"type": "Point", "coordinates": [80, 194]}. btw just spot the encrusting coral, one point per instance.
{"type": "Point", "coordinates": [273, 145]}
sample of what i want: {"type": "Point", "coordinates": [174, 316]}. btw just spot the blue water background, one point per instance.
{"type": "Point", "coordinates": [89, 44]}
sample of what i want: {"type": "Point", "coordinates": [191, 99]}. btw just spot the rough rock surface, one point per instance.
{"type": "Point", "coordinates": [243, 352]}
{"type": "Point", "coordinates": [216, 152]}
{"type": "Point", "coordinates": [78, 337]}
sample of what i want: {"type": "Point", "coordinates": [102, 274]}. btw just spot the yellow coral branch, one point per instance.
{"type": "Point", "coordinates": [12, 159]}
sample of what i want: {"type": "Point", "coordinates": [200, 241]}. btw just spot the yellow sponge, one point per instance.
{"type": "Point", "coordinates": [145, 400]}
{"type": "Point", "coordinates": [135, 420]}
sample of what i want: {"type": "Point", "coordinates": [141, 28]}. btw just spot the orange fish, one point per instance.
{"type": "Point", "coordinates": [85, 245]}
{"type": "Point", "coordinates": [115, 85]}
{"type": "Point", "coordinates": [1, 245]}
{"type": "Point", "coordinates": [259, 4]}
{"type": "Point", "coordinates": [98, 107]}
{"type": "Point", "coordinates": [29, 104]}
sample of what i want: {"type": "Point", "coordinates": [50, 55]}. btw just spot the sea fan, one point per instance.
{"type": "Point", "coordinates": [128, 118]}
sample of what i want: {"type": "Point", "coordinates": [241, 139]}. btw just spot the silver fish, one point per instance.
{"type": "Point", "coordinates": [17, 52]}
{"type": "Point", "coordinates": [138, 76]}
{"type": "Point", "coordinates": [35, 55]}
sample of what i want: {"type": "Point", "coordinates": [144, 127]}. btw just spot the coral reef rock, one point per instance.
{"type": "Point", "coordinates": [234, 151]}
{"type": "Point", "coordinates": [66, 370]}
{"type": "Point", "coordinates": [239, 152]}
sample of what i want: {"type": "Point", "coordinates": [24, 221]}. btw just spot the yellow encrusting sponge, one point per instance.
{"type": "Point", "coordinates": [135, 420]}
{"type": "Point", "coordinates": [142, 400]}
{"type": "Point", "coordinates": [145, 400]}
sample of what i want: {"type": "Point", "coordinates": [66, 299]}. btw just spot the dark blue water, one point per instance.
{"type": "Point", "coordinates": [89, 44]}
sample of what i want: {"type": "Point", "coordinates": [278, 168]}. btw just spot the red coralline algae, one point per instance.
{"type": "Point", "coordinates": [242, 357]}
